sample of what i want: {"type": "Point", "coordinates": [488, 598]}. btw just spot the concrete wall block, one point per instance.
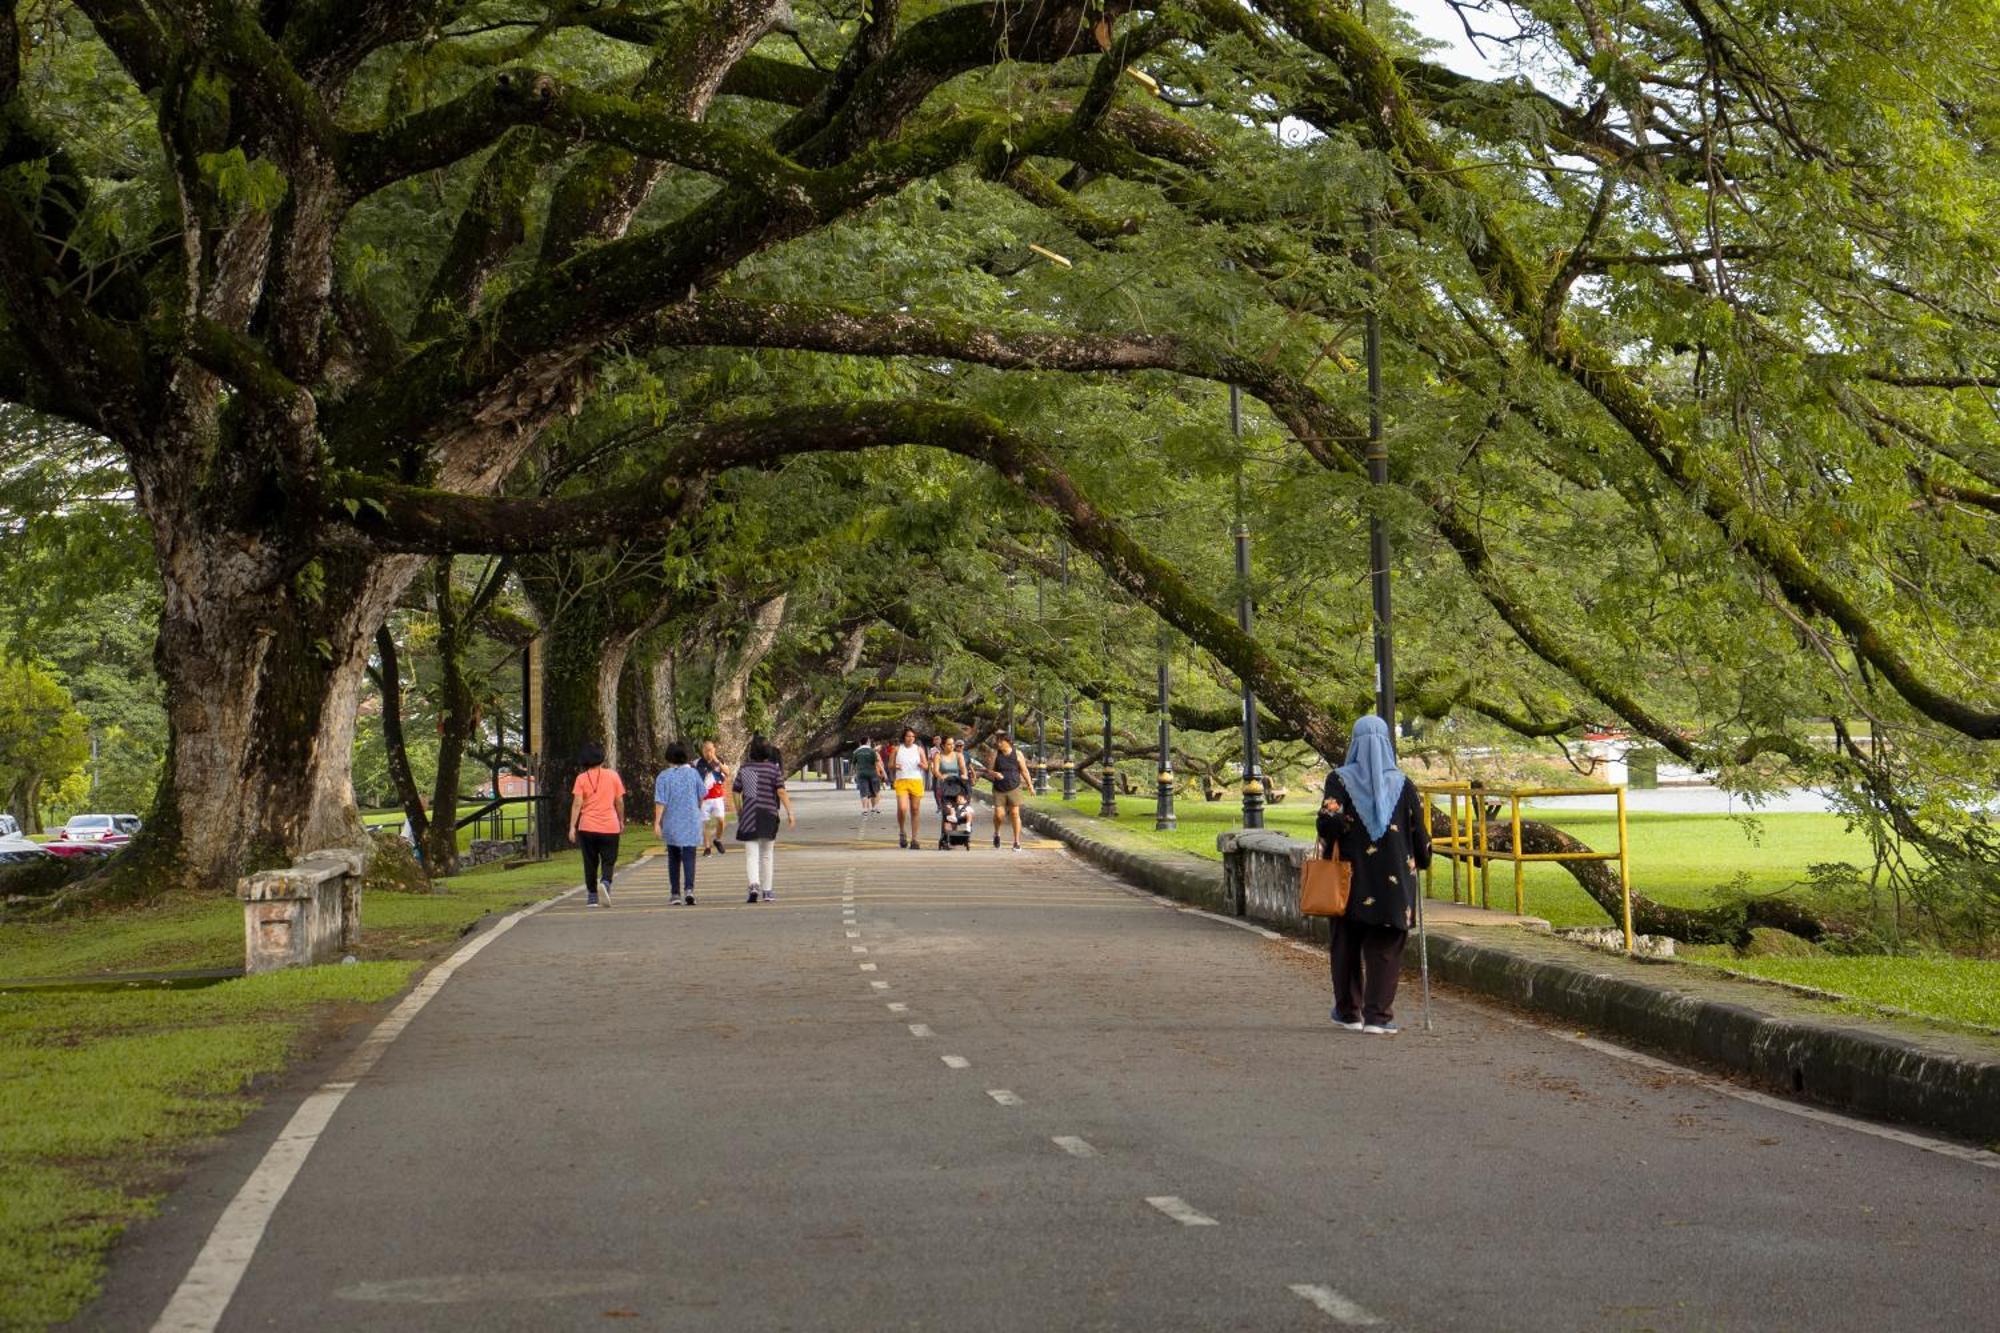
{"type": "Point", "coordinates": [306, 913]}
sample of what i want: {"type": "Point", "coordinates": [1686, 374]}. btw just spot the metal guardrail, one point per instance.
{"type": "Point", "coordinates": [501, 826]}
{"type": "Point", "coordinates": [1469, 840]}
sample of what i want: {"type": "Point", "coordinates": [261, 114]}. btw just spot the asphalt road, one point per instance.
{"type": "Point", "coordinates": [987, 1090]}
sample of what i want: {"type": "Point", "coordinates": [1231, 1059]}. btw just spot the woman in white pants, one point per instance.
{"type": "Point", "coordinates": [760, 793]}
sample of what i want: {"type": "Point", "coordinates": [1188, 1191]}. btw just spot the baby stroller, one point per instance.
{"type": "Point", "coordinates": [955, 800]}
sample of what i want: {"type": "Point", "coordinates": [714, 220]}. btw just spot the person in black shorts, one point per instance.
{"type": "Point", "coordinates": [867, 777]}
{"type": "Point", "coordinates": [1009, 772]}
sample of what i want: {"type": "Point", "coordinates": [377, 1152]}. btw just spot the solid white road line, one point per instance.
{"type": "Point", "coordinates": [197, 1305]}
{"type": "Point", "coordinates": [898, 1007]}
{"type": "Point", "coordinates": [1174, 1206]}
{"type": "Point", "coordinates": [1073, 1145]}
{"type": "Point", "coordinates": [1331, 1302]}
{"type": "Point", "coordinates": [1004, 1097]}
{"type": "Point", "coordinates": [921, 1030]}
{"type": "Point", "coordinates": [955, 1062]}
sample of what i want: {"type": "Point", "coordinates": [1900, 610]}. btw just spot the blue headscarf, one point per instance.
{"type": "Point", "coordinates": [1371, 777]}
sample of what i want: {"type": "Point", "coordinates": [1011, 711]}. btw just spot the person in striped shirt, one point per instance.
{"type": "Point", "coordinates": [760, 792]}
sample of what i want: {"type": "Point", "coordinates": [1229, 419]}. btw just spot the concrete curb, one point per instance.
{"type": "Point", "coordinates": [1897, 1072]}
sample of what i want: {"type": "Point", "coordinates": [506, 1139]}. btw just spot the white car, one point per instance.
{"type": "Point", "coordinates": [100, 828]}
{"type": "Point", "coordinates": [14, 847]}
{"type": "Point", "coordinates": [9, 825]}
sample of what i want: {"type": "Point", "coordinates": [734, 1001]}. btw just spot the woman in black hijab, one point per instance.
{"type": "Point", "coordinates": [1372, 816]}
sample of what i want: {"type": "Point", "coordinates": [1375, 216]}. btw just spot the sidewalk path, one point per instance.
{"type": "Point", "coordinates": [987, 1090]}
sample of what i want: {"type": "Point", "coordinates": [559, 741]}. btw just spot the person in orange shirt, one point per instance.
{"type": "Point", "coordinates": [596, 818]}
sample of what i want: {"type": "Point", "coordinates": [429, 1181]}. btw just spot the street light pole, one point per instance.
{"type": "Point", "coordinates": [1069, 700]}
{"type": "Point", "coordinates": [1253, 773]}
{"type": "Point", "coordinates": [1107, 799]}
{"type": "Point", "coordinates": [1163, 812]}
{"type": "Point", "coordinates": [1378, 479]}
{"type": "Point", "coordinates": [1039, 782]}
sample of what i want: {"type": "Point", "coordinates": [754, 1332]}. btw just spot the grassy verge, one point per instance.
{"type": "Point", "coordinates": [1683, 860]}
{"type": "Point", "coordinates": [102, 1093]}
{"type": "Point", "coordinates": [1961, 990]}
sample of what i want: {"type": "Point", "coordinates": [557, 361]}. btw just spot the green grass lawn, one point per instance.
{"type": "Point", "coordinates": [1676, 859]}
{"type": "Point", "coordinates": [101, 1091]}
{"type": "Point", "coordinates": [1965, 990]}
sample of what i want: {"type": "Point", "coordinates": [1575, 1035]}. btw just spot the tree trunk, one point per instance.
{"type": "Point", "coordinates": [458, 714]}
{"type": "Point", "coordinates": [389, 681]}
{"type": "Point", "coordinates": [664, 687]}
{"type": "Point", "coordinates": [729, 693]}
{"type": "Point", "coordinates": [262, 654]}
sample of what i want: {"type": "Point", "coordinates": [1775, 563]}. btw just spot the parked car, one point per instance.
{"type": "Point", "coordinates": [14, 848]}
{"type": "Point", "coordinates": [69, 849]}
{"type": "Point", "coordinates": [100, 828]}
{"type": "Point", "coordinates": [10, 827]}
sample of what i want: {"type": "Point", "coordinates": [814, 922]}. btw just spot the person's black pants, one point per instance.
{"type": "Point", "coordinates": [680, 867]}
{"type": "Point", "coordinates": [600, 856]}
{"type": "Point", "coordinates": [1367, 960]}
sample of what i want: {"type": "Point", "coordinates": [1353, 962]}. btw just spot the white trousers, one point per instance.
{"type": "Point", "coordinates": [760, 860]}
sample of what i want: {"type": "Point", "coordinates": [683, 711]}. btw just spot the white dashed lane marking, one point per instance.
{"type": "Point", "coordinates": [1004, 1097]}
{"type": "Point", "coordinates": [879, 985]}
{"type": "Point", "coordinates": [858, 948]}
{"type": "Point", "coordinates": [853, 934]}
{"type": "Point", "coordinates": [921, 1030]}
{"type": "Point", "coordinates": [1330, 1302]}
{"type": "Point", "coordinates": [898, 1007]}
{"type": "Point", "coordinates": [955, 1062]}
{"type": "Point", "coordinates": [1073, 1145]}
{"type": "Point", "coordinates": [1174, 1206]}
{"type": "Point", "coordinates": [868, 967]}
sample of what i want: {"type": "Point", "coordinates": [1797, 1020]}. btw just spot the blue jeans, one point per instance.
{"type": "Point", "coordinates": [680, 864]}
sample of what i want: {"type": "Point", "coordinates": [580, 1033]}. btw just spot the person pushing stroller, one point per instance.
{"type": "Point", "coordinates": [955, 809]}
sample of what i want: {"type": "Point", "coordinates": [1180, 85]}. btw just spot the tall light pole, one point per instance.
{"type": "Point", "coordinates": [1378, 478]}
{"type": "Point", "coordinates": [1107, 799]}
{"type": "Point", "coordinates": [1069, 700]}
{"type": "Point", "coordinates": [1163, 811]}
{"type": "Point", "coordinates": [1253, 773]}
{"type": "Point", "coordinates": [1040, 782]}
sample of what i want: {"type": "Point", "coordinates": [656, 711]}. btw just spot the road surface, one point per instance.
{"type": "Point", "coordinates": [988, 1090]}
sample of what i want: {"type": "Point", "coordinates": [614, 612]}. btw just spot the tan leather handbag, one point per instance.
{"type": "Point", "coordinates": [1323, 884]}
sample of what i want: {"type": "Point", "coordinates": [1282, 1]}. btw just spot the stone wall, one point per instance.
{"type": "Point", "coordinates": [309, 912]}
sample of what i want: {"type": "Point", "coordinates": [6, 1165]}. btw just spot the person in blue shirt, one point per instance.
{"type": "Point", "coordinates": [677, 819]}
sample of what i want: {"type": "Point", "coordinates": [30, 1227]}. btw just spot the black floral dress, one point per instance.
{"type": "Point", "coordinates": [1385, 869]}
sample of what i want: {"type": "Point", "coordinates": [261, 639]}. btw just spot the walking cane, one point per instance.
{"type": "Point", "coordinates": [1424, 957]}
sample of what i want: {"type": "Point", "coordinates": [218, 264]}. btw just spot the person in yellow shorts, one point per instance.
{"type": "Point", "coordinates": [907, 763]}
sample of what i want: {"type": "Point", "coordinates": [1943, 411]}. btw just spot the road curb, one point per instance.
{"type": "Point", "coordinates": [1905, 1073]}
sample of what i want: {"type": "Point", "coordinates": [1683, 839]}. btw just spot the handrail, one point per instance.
{"type": "Point", "coordinates": [495, 804]}
{"type": "Point", "coordinates": [1470, 840]}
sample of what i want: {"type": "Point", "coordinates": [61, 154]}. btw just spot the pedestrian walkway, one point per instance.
{"type": "Point", "coordinates": [952, 1090]}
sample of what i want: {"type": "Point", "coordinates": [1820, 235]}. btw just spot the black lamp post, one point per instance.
{"type": "Point", "coordinates": [1163, 812]}
{"type": "Point", "coordinates": [1107, 801]}
{"type": "Point", "coordinates": [1069, 702]}
{"type": "Point", "coordinates": [1253, 773]}
{"type": "Point", "coordinates": [1378, 478]}
{"type": "Point", "coordinates": [1039, 780]}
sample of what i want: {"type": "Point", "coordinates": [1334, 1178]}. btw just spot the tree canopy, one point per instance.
{"type": "Point", "coordinates": [1690, 319]}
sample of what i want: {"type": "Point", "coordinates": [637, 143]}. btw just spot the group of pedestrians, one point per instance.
{"type": "Point", "coordinates": [690, 810]}
{"type": "Point", "coordinates": [948, 769]}
{"type": "Point", "coordinates": [1370, 816]}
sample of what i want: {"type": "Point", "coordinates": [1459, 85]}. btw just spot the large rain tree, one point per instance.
{"type": "Point", "coordinates": [1690, 334]}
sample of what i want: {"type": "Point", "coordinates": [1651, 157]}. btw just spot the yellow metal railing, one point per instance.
{"type": "Point", "coordinates": [1468, 841]}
